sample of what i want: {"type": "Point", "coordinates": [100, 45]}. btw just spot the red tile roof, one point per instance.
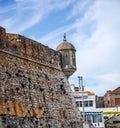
{"type": "Point", "coordinates": [117, 89]}
{"type": "Point", "coordinates": [85, 92]}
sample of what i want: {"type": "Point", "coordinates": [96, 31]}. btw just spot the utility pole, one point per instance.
{"type": "Point", "coordinates": [81, 89]}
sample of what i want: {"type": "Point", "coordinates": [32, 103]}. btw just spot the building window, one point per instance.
{"type": "Point", "coordinates": [88, 118]}
{"type": "Point", "coordinates": [77, 103]}
{"type": "Point", "coordinates": [76, 89]}
{"type": "Point", "coordinates": [86, 104]}
{"type": "Point", "coordinates": [97, 118]}
{"type": "Point", "coordinates": [80, 103]}
{"type": "Point", "coordinates": [90, 103]}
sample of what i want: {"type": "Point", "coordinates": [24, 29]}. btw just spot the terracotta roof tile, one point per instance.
{"type": "Point", "coordinates": [85, 92]}
{"type": "Point", "coordinates": [117, 89]}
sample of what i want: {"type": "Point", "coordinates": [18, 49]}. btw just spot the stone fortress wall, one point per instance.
{"type": "Point", "coordinates": [34, 92]}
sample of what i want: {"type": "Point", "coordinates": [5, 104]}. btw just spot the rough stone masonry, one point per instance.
{"type": "Point", "coordinates": [34, 91]}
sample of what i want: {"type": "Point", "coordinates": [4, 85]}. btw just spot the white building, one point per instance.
{"type": "Point", "coordinates": [90, 114]}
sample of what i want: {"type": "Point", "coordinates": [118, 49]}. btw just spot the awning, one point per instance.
{"type": "Point", "coordinates": [93, 113]}
{"type": "Point", "coordinates": [110, 112]}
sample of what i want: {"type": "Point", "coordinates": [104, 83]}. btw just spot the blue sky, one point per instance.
{"type": "Point", "coordinates": [92, 26]}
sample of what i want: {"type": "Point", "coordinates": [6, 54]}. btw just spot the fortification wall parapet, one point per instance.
{"type": "Point", "coordinates": [27, 48]}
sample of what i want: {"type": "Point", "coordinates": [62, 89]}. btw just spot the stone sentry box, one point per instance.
{"type": "Point", "coordinates": [34, 90]}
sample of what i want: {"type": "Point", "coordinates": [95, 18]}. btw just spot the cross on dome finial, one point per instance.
{"type": "Point", "coordinates": [64, 37]}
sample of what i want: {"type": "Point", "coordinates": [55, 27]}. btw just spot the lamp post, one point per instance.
{"type": "Point", "coordinates": [81, 89]}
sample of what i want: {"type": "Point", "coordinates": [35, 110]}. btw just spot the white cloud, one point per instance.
{"type": "Point", "coordinates": [55, 37]}
{"type": "Point", "coordinates": [79, 8]}
{"type": "Point", "coordinates": [99, 53]}
{"type": "Point", "coordinates": [96, 38]}
{"type": "Point", "coordinates": [25, 14]}
{"type": "Point", "coordinates": [105, 82]}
